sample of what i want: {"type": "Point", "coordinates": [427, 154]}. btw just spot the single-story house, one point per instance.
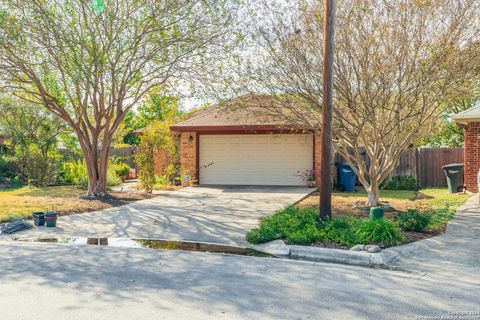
{"type": "Point", "coordinates": [244, 145]}
{"type": "Point", "coordinates": [470, 120]}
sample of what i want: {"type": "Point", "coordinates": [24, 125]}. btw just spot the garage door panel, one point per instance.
{"type": "Point", "coordinates": [254, 159]}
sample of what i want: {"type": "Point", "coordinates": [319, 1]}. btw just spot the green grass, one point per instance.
{"type": "Point", "coordinates": [440, 198]}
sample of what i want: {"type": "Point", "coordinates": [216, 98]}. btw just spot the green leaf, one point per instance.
{"type": "Point", "coordinates": [98, 6]}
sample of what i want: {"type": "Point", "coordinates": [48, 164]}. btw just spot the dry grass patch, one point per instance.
{"type": "Point", "coordinates": [65, 199]}
{"type": "Point", "coordinates": [425, 199]}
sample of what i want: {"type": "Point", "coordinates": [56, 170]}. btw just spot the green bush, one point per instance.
{"type": "Point", "coordinates": [121, 169]}
{"type": "Point", "coordinates": [340, 230]}
{"type": "Point", "coordinates": [34, 165]}
{"type": "Point", "coordinates": [379, 231]}
{"type": "Point", "coordinates": [400, 183]}
{"type": "Point", "coordinates": [413, 220]}
{"type": "Point", "coordinates": [75, 172]}
{"type": "Point", "coordinates": [298, 225]}
{"type": "Point", "coordinates": [302, 226]}
{"type": "Point", "coordinates": [7, 170]}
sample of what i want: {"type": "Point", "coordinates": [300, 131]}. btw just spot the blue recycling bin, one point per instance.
{"type": "Point", "coordinates": [346, 177]}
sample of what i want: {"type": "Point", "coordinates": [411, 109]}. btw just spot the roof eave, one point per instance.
{"type": "Point", "coordinates": [465, 120]}
{"type": "Point", "coordinates": [233, 128]}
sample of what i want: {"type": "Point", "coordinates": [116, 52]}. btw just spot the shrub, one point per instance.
{"type": "Point", "coordinates": [379, 231]}
{"type": "Point", "coordinates": [340, 230]}
{"type": "Point", "coordinates": [35, 165]}
{"type": "Point", "coordinates": [158, 136]}
{"type": "Point", "coordinates": [400, 183]}
{"type": "Point", "coordinates": [413, 220]}
{"type": "Point", "coordinates": [298, 225]}
{"type": "Point", "coordinates": [121, 169]}
{"type": "Point", "coordinates": [7, 170]}
{"type": "Point", "coordinates": [75, 172]}
{"type": "Point", "coordinates": [302, 226]}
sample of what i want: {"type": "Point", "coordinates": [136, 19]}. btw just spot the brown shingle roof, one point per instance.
{"type": "Point", "coordinates": [246, 112]}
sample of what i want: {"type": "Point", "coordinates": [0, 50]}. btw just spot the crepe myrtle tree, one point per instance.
{"type": "Point", "coordinates": [90, 62]}
{"type": "Point", "coordinates": [397, 66]}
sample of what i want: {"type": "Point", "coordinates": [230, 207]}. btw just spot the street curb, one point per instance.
{"type": "Point", "coordinates": [336, 255]}
{"type": "Point", "coordinates": [363, 258]}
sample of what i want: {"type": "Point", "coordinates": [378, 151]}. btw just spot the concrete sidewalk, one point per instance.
{"type": "Point", "coordinates": [456, 253]}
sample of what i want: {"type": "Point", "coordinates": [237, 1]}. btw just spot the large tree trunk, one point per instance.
{"type": "Point", "coordinates": [97, 167]}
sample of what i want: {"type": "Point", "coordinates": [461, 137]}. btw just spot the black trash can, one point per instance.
{"type": "Point", "coordinates": [454, 174]}
{"type": "Point", "coordinates": [346, 177]}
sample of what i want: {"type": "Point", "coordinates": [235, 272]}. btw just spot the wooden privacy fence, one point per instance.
{"type": "Point", "coordinates": [425, 164]}
{"type": "Point", "coordinates": [127, 154]}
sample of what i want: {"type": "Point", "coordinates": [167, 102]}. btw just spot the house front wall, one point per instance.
{"type": "Point", "coordinates": [472, 155]}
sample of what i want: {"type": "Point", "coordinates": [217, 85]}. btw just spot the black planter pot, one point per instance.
{"type": "Point", "coordinates": [51, 219]}
{"type": "Point", "coordinates": [38, 218]}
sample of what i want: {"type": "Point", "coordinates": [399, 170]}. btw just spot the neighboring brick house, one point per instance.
{"type": "Point", "coordinates": [245, 146]}
{"type": "Point", "coordinates": [470, 120]}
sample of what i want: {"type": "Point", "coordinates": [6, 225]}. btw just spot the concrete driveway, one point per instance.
{"type": "Point", "coordinates": [219, 215]}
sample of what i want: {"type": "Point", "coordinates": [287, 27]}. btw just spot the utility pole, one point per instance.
{"type": "Point", "coordinates": [326, 133]}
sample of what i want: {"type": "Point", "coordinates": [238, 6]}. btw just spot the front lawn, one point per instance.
{"type": "Point", "coordinates": [414, 216]}
{"type": "Point", "coordinates": [23, 202]}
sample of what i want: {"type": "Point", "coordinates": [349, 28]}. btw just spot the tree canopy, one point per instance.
{"type": "Point", "coordinates": [90, 62]}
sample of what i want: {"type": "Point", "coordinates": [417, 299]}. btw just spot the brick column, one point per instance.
{"type": "Point", "coordinates": [188, 155]}
{"type": "Point", "coordinates": [472, 155]}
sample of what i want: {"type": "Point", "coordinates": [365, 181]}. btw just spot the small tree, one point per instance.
{"type": "Point", "coordinates": [397, 65]}
{"type": "Point", "coordinates": [157, 136]}
{"type": "Point", "coordinates": [90, 62]}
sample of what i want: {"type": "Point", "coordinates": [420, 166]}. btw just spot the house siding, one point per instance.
{"type": "Point", "coordinates": [472, 156]}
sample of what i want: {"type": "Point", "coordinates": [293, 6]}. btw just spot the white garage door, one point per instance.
{"type": "Point", "coordinates": [256, 159]}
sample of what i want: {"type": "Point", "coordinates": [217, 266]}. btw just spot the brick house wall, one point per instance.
{"type": "Point", "coordinates": [188, 155]}
{"type": "Point", "coordinates": [161, 160]}
{"type": "Point", "coordinates": [472, 155]}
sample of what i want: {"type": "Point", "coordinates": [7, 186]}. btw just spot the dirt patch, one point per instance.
{"type": "Point", "coordinates": [346, 205]}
